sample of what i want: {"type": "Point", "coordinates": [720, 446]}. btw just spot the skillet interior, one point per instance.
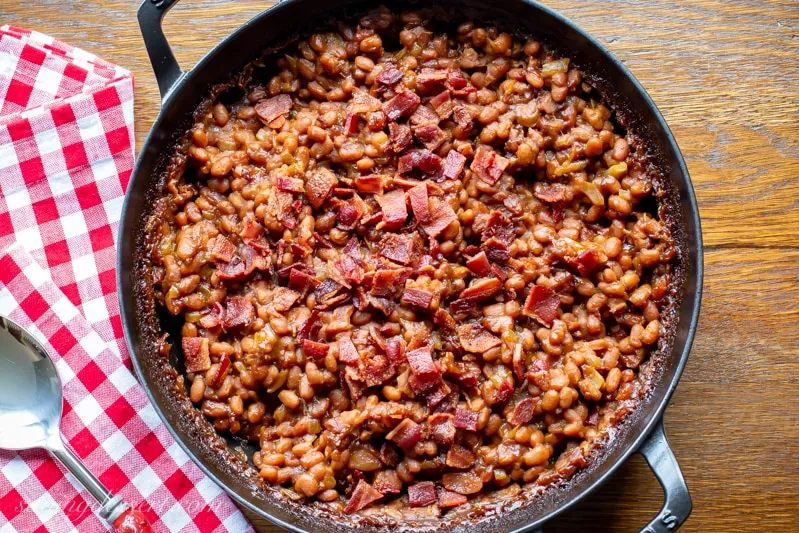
{"type": "Point", "coordinates": [634, 110]}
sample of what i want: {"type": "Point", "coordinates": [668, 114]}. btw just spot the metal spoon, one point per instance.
{"type": "Point", "coordinates": [31, 402]}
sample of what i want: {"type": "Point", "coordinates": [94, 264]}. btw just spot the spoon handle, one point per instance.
{"type": "Point", "coordinates": [123, 518]}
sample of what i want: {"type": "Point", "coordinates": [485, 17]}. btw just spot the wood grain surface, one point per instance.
{"type": "Point", "coordinates": [725, 74]}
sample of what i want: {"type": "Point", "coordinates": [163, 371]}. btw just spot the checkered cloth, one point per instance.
{"type": "Point", "coordinates": [66, 155]}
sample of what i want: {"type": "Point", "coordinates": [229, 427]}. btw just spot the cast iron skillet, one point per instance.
{"type": "Point", "coordinates": [642, 431]}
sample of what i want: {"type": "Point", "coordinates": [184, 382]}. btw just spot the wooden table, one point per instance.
{"type": "Point", "coordinates": [725, 74]}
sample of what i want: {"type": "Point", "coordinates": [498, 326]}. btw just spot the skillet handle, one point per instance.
{"type": "Point", "coordinates": [661, 460]}
{"type": "Point", "coordinates": [166, 68]}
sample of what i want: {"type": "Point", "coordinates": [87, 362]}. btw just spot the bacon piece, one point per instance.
{"type": "Point", "coordinates": [465, 419]}
{"type": "Point", "coordinates": [558, 212]}
{"type": "Point", "coordinates": [460, 457]}
{"type": "Point", "coordinates": [196, 354]}
{"type": "Point", "coordinates": [300, 279]}
{"type": "Point", "coordinates": [348, 271]}
{"type": "Point", "coordinates": [388, 482]}
{"type": "Point", "coordinates": [429, 163]}
{"type": "Point", "coordinates": [395, 352]}
{"type": "Point", "coordinates": [351, 123]}
{"type": "Point", "coordinates": [401, 105]}
{"type": "Point", "coordinates": [430, 78]}
{"type": "Point", "coordinates": [442, 429]}
{"type": "Point", "coordinates": [462, 482]}
{"type": "Point", "coordinates": [234, 269]}
{"type": "Point", "coordinates": [373, 183]}
{"type": "Point", "coordinates": [319, 186]}
{"type": "Point", "coordinates": [395, 212]}
{"type": "Point", "coordinates": [286, 209]}
{"type": "Point", "coordinates": [441, 216]}
{"type": "Point", "coordinates": [287, 184]}
{"type": "Point", "coordinates": [463, 118]}
{"type": "Point", "coordinates": [488, 165]}
{"type": "Point", "coordinates": [377, 370]}
{"type": "Point", "coordinates": [419, 297]}
{"type": "Point", "coordinates": [453, 165]}
{"type": "Point", "coordinates": [283, 299]}
{"type": "Point", "coordinates": [328, 293]}
{"type": "Point", "coordinates": [588, 261]}
{"type": "Point", "coordinates": [224, 367]}
{"type": "Point", "coordinates": [542, 305]}
{"type": "Point", "coordinates": [362, 102]}
{"type": "Point", "coordinates": [347, 352]}
{"type": "Point", "coordinates": [474, 338]}
{"type": "Point", "coordinates": [420, 204]}
{"type": "Point", "coordinates": [479, 264]}
{"type": "Point", "coordinates": [250, 229]}
{"type": "Point", "coordinates": [389, 77]}
{"type": "Point", "coordinates": [447, 498]}
{"type": "Point", "coordinates": [422, 365]}
{"type": "Point", "coordinates": [222, 249]}
{"type": "Point", "coordinates": [402, 249]}
{"type": "Point", "coordinates": [273, 108]}
{"type": "Point", "coordinates": [363, 495]}
{"type": "Point", "coordinates": [399, 136]}
{"type": "Point", "coordinates": [349, 214]}
{"type": "Point", "coordinates": [456, 79]}
{"type": "Point", "coordinates": [430, 135]}
{"type": "Point", "coordinates": [421, 494]}
{"type": "Point", "coordinates": [462, 305]}
{"type": "Point", "coordinates": [496, 250]}
{"type": "Point", "coordinates": [310, 328]}
{"type": "Point", "coordinates": [442, 104]}
{"type": "Point", "coordinates": [482, 288]}
{"type": "Point", "coordinates": [406, 434]}
{"type": "Point", "coordinates": [389, 454]}
{"type": "Point", "coordinates": [384, 305]}
{"type": "Point", "coordinates": [424, 116]}
{"type": "Point", "coordinates": [315, 350]}
{"type": "Point", "coordinates": [239, 311]}
{"type": "Point", "coordinates": [500, 227]}
{"type": "Point", "coordinates": [522, 412]}
{"type": "Point", "coordinates": [550, 193]}
{"type": "Point", "coordinates": [213, 317]}
{"type": "Point", "coordinates": [388, 281]}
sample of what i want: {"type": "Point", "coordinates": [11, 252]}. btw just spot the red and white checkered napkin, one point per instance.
{"type": "Point", "coordinates": [66, 154]}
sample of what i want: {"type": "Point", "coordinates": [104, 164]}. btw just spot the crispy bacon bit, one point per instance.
{"type": "Point", "coordinates": [422, 494]}
{"type": "Point", "coordinates": [362, 102]}
{"type": "Point", "coordinates": [408, 161]}
{"type": "Point", "coordinates": [424, 116]}
{"type": "Point", "coordinates": [234, 269]}
{"type": "Point", "coordinates": [399, 248]}
{"type": "Point", "coordinates": [479, 265]}
{"type": "Point", "coordinates": [389, 454]}
{"type": "Point", "coordinates": [311, 327]}
{"type": "Point", "coordinates": [363, 495]}
{"type": "Point", "coordinates": [474, 338]}
{"type": "Point", "coordinates": [315, 350]}
{"type": "Point", "coordinates": [442, 103]}
{"type": "Point", "coordinates": [250, 229]}
{"type": "Point", "coordinates": [351, 124]}
{"type": "Point", "coordinates": [373, 183]}
{"type": "Point", "coordinates": [328, 293]}
{"type": "Point", "coordinates": [287, 184]}
{"type": "Point", "coordinates": [435, 396]}
{"type": "Point", "coordinates": [550, 193]}
{"type": "Point", "coordinates": [422, 365]}
{"type": "Point", "coordinates": [224, 367]}
{"type": "Point", "coordinates": [400, 136]}
{"type": "Point", "coordinates": [488, 165]}
{"type": "Point", "coordinates": [406, 434]}
{"type": "Point", "coordinates": [500, 227]}
{"type": "Point", "coordinates": [588, 261]}
{"type": "Point", "coordinates": [273, 108]}
{"type": "Point", "coordinates": [389, 77]}
{"type": "Point", "coordinates": [496, 250]}
{"type": "Point", "coordinates": [465, 419]}
{"type": "Point", "coordinates": [447, 498]}
{"type": "Point", "coordinates": [460, 457]}
{"type": "Point", "coordinates": [286, 209]}
{"type": "Point", "coordinates": [347, 352]}
{"type": "Point", "coordinates": [283, 299]}
{"type": "Point", "coordinates": [299, 279]}
{"type": "Point", "coordinates": [239, 311]}
{"type": "Point", "coordinates": [213, 317]}
{"type": "Point", "coordinates": [462, 305]}
{"type": "Point", "coordinates": [442, 429]}
{"type": "Point", "coordinates": [349, 272]}
{"type": "Point", "coordinates": [401, 105]}
{"type": "Point", "coordinates": [482, 288]}
{"type": "Point", "coordinates": [389, 281]}
{"type": "Point", "coordinates": [558, 212]}
{"type": "Point", "coordinates": [377, 370]}
{"type": "Point", "coordinates": [196, 354]}
{"type": "Point", "coordinates": [430, 135]}
{"type": "Point", "coordinates": [419, 297]}
{"type": "Point", "coordinates": [462, 482]}
{"type": "Point", "coordinates": [222, 249]}
{"type": "Point", "coordinates": [542, 305]}
{"type": "Point", "coordinates": [319, 186]}
{"type": "Point", "coordinates": [522, 412]}
{"type": "Point", "coordinates": [395, 212]}
{"type": "Point", "coordinates": [463, 118]}
{"type": "Point", "coordinates": [420, 204]}
{"type": "Point", "coordinates": [395, 352]}
{"type": "Point", "coordinates": [456, 80]}
{"type": "Point", "coordinates": [430, 78]}
{"type": "Point", "coordinates": [429, 163]}
{"type": "Point", "coordinates": [453, 165]}
{"type": "Point", "coordinates": [388, 482]}
{"type": "Point", "coordinates": [441, 216]}
{"type": "Point", "coordinates": [349, 214]}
